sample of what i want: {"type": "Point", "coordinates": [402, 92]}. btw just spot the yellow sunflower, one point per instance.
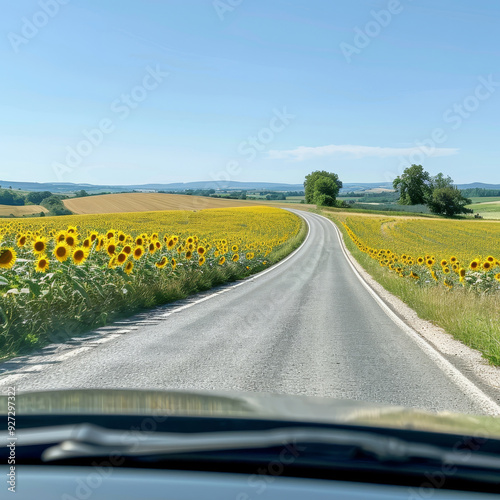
{"type": "Point", "coordinates": [138, 252]}
{"type": "Point", "coordinates": [201, 261]}
{"type": "Point", "coordinates": [162, 263]}
{"type": "Point", "coordinates": [129, 267]}
{"type": "Point", "coordinates": [121, 258]}
{"type": "Point", "coordinates": [39, 246]}
{"type": "Point", "coordinates": [42, 264]}
{"type": "Point", "coordinates": [235, 257]}
{"type": "Point", "coordinates": [21, 241]}
{"type": "Point", "coordinates": [7, 258]}
{"type": "Point", "coordinates": [61, 252]}
{"type": "Point", "coordinates": [111, 249]}
{"type": "Point", "coordinates": [79, 256]}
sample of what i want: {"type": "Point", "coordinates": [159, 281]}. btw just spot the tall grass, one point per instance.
{"type": "Point", "coordinates": [471, 317]}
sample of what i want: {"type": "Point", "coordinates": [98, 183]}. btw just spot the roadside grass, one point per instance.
{"type": "Point", "coordinates": [65, 317]}
{"type": "Point", "coordinates": [471, 317]}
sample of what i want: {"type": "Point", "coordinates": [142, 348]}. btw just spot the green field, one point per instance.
{"type": "Point", "coordinates": [487, 210]}
{"type": "Point", "coordinates": [485, 199]}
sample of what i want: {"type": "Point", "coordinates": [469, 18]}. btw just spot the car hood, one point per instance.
{"type": "Point", "coordinates": [249, 405]}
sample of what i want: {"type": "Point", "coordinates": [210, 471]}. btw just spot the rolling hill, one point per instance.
{"type": "Point", "coordinates": [146, 202]}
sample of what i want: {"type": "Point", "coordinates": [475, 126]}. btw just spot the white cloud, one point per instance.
{"type": "Point", "coordinates": [307, 153]}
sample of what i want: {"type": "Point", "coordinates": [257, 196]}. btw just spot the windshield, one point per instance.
{"type": "Point", "coordinates": [252, 198]}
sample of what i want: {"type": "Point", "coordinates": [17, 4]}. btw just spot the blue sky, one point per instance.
{"type": "Point", "coordinates": [141, 91]}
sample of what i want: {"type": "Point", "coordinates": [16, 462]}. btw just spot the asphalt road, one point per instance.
{"type": "Point", "coordinates": [307, 326]}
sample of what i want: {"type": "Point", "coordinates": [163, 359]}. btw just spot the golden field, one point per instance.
{"type": "Point", "coordinates": [448, 252]}
{"type": "Point", "coordinates": [147, 202]}
{"type": "Point", "coordinates": [20, 211]}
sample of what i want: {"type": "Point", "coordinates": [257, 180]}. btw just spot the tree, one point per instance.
{"type": "Point", "coordinates": [449, 201]}
{"type": "Point", "coordinates": [36, 197]}
{"type": "Point", "coordinates": [325, 190]}
{"type": "Point", "coordinates": [328, 189]}
{"type": "Point", "coordinates": [414, 186]}
{"type": "Point", "coordinates": [439, 181]}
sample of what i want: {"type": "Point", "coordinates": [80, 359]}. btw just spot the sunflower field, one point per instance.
{"type": "Point", "coordinates": [432, 251]}
{"type": "Point", "coordinates": [63, 275]}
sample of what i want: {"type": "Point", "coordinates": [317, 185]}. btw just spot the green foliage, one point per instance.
{"type": "Point", "coordinates": [322, 188]}
{"type": "Point", "coordinates": [448, 201]}
{"type": "Point", "coordinates": [54, 204]}
{"type": "Point", "coordinates": [8, 197]}
{"type": "Point", "coordinates": [414, 186]}
{"type": "Point", "coordinates": [36, 197]}
{"type": "Point", "coordinates": [480, 192]}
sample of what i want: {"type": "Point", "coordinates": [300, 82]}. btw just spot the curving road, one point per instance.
{"type": "Point", "coordinates": [306, 326]}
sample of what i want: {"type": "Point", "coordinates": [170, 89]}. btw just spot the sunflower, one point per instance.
{"type": "Point", "coordinates": [72, 229]}
{"type": "Point", "coordinates": [61, 252]}
{"type": "Point", "coordinates": [497, 276]}
{"type": "Point", "coordinates": [420, 260]}
{"type": "Point", "coordinates": [39, 246]}
{"type": "Point", "coordinates": [170, 243]}
{"type": "Point", "coordinates": [139, 241]}
{"type": "Point", "coordinates": [157, 245]}
{"type": "Point", "coordinates": [474, 265]}
{"type": "Point", "coordinates": [21, 241]}
{"type": "Point", "coordinates": [461, 272]}
{"type": "Point", "coordinates": [112, 262]}
{"type": "Point", "coordinates": [413, 275]}
{"type": "Point", "coordinates": [42, 264]}
{"type": "Point", "coordinates": [138, 252]}
{"type": "Point", "coordinates": [79, 255]}
{"type": "Point", "coordinates": [152, 248]}
{"type": "Point", "coordinates": [121, 237]}
{"type": "Point", "coordinates": [71, 240]}
{"type": "Point", "coordinates": [121, 258]}
{"type": "Point", "coordinates": [222, 260]}
{"type": "Point", "coordinates": [60, 237]}
{"type": "Point", "coordinates": [7, 257]}
{"type": "Point", "coordinates": [446, 270]}
{"type": "Point", "coordinates": [201, 251]}
{"type": "Point", "coordinates": [444, 263]}
{"type": "Point", "coordinates": [111, 249]}
{"type": "Point", "coordinates": [173, 263]}
{"type": "Point", "coordinates": [110, 234]}
{"type": "Point", "coordinates": [129, 267]}
{"type": "Point", "coordinates": [250, 255]}
{"type": "Point", "coordinates": [162, 263]}
{"type": "Point", "coordinates": [490, 259]}
{"type": "Point", "coordinates": [235, 257]}
{"type": "Point", "coordinates": [234, 248]}
{"type": "Point", "coordinates": [201, 261]}
{"type": "Point", "coordinates": [453, 259]}
{"type": "Point", "coordinates": [487, 266]}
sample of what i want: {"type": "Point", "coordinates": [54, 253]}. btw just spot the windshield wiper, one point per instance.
{"type": "Point", "coordinates": [88, 440]}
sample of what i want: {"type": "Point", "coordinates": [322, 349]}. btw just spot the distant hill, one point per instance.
{"type": "Point", "coordinates": [479, 185]}
{"type": "Point", "coordinates": [61, 187]}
